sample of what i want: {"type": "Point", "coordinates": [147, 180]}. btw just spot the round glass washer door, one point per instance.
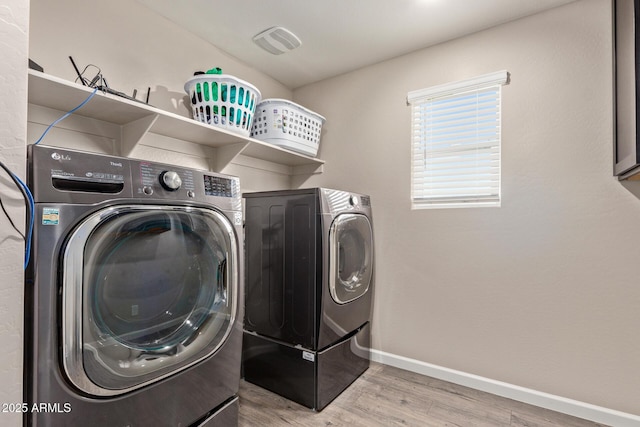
{"type": "Point", "coordinates": [147, 291]}
{"type": "Point", "coordinates": [351, 257]}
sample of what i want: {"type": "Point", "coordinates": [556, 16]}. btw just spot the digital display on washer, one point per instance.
{"type": "Point", "coordinates": [218, 186]}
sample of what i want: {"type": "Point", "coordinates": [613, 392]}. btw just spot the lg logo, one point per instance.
{"type": "Point", "coordinates": [59, 157]}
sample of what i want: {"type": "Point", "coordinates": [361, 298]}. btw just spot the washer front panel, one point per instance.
{"type": "Point", "coordinates": [147, 291]}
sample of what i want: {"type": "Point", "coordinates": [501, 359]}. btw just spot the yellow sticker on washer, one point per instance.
{"type": "Point", "coordinates": [50, 216]}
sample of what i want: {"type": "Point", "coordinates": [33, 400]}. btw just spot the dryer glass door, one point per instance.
{"type": "Point", "coordinates": [147, 291]}
{"type": "Point", "coordinates": [351, 257]}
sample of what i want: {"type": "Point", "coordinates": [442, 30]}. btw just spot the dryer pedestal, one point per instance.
{"type": "Point", "coordinates": [310, 378]}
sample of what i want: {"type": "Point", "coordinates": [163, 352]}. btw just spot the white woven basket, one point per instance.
{"type": "Point", "coordinates": [223, 101]}
{"type": "Point", "coordinates": [288, 125]}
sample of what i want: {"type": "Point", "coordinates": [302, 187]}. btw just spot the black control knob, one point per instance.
{"type": "Point", "coordinates": [170, 180]}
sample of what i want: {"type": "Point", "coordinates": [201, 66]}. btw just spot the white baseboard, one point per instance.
{"type": "Point", "coordinates": [575, 408]}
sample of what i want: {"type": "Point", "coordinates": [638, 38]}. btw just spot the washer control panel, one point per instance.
{"type": "Point", "coordinates": [172, 182]}
{"type": "Point", "coordinates": [157, 179]}
{"type": "Point", "coordinates": [218, 186]}
{"type": "Point", "coordinates": [62, 175]}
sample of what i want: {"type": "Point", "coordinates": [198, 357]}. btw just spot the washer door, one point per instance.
{"type": "Point", "coordinates": [351, 257]}
{"type": "Point", "coordinates": [146, 291]}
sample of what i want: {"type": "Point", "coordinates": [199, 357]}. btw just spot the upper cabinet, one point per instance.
{"type": "Point", "coordinates": [626, 15]}
{"type": "Point", "coordinates": [136, 119]}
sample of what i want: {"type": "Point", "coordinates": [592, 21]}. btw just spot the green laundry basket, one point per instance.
{"type": "Point", "coordinates": [223, 101]}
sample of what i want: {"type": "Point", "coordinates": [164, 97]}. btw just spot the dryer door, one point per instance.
{"type": "Point", "coordinates": [147, 291]}
{"type": "Point", "coordinates": [350, 258]}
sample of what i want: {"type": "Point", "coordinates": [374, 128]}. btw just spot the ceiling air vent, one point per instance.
{"type": "Point", "coordinates": [277, 40]}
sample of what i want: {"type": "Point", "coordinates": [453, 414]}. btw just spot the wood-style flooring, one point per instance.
{"type": "Point", "coordinates": [387, 396]}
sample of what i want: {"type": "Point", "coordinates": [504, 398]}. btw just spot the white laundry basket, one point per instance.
{"type": "Point", "coordinates": [224, 101]}
{"type": "Point", "coordinates": [288, 125]}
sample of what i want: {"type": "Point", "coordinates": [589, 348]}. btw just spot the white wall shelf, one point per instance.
{"type": "Point", "coordinates": [136, 119]}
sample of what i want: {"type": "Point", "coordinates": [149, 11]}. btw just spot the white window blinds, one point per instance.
{"type": "Point", "coordinates": [455, 132]}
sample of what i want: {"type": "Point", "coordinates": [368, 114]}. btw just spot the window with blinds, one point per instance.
{"type": "Point", "coordinates": [455, 140]}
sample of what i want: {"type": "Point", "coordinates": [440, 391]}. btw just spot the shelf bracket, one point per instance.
{"type": "Point", "coordinates": [133, 132]}
{"type": "Point", "coordinates": [310, 169]}
{"type": "Point", "coordinates": [226, 154]}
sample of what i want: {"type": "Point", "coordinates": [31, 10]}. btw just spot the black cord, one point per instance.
{"type": "Point", "coordinates": [30, 213]}
{"type": "Point", "coordinates": [10, 220]}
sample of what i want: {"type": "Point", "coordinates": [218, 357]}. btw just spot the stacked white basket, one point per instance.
{"type": "Point", "coordinates": [288, 125]}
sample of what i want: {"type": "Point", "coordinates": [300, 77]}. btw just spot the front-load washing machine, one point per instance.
{"type": "Point", "coordinates": [133, 293]}
{"type": "Point", "coordinates": [309, 292]}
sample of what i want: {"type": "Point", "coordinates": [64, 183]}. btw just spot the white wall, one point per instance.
{"type": "Point", "coordinates": [14, 26]}
{"type": "Point", "coordinates": [542, 292]}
